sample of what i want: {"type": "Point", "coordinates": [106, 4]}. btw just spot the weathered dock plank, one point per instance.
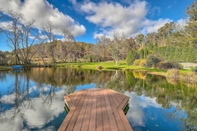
{"type": "Point", "coordinates": [112, 122]}
{"type": "Point", "coordinates": [92, 124]}
{"type": "Point", "coordinates": [96, 110]}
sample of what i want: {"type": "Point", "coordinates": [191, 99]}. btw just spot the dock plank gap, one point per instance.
{"type": "Point", "coordinates": [96, 110]}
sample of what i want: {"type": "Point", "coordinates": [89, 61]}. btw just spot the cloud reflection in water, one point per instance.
{"type": "Point", "coordinates": [136, 114]}
{"type": "Point", "coordinates": [34, 113]}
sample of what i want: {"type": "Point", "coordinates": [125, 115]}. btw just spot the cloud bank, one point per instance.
{"type": "Point", "coordinates": [130, 20]}
{"type": "Point", "coordinates": [41, 11]}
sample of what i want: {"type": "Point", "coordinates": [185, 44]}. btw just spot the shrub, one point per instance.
{"type": "Point", "coordinates": [152, 60]}
{"type": "Point", "coordinates": [142, 62]}
{"type": "Point", "coordinates": [136, 63]}
{"type": "Point", "coordinates": [139, 74]}
{"type": "Point", "coordinates": [99, 67]}
{"type": "Point", "coordinates": [189, 77]}
{"type": "Point", "coordinates": [169, 65]}
{"type": "Point", "coordinates": [132, 56]}
{"type": "Point", "coordinates": [194, 69]}
{"type": "Point", "coordinates": [173, 74]}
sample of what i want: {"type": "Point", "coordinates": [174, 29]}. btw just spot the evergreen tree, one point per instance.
{"type": "Point", "coordinates": [132, 56]}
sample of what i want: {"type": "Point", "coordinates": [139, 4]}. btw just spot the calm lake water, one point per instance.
{"type": "Point", "coordinates": [32, 99]}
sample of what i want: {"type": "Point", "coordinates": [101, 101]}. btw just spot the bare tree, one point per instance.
{"type": "Point", "coordinates": [42, 52]}
{"type": "Point", "coordinates": [102, 43]}
{"type": "Point", "coordinates": [13, 32]}
{"type": "Point", "coordinates": [184, 35]}
{"type": "Point", "coordinates": [1, 19]}
{"type": "Point", "coordinates": [28, 38]}
{"type": "Point", "coordinates": [3, 58]}
{"type": "Point", "coordinates": [69, 45]}
{"type": "Point", "coordinates": [21, 35]}
{"type": "Point", "coordinates": [140, 40]}
{"type": "Point", "coordinates": [95, 53]}
{"type": "Point", "coordinates": [48, 30]}
{"type": "Point", "coordinates": [118, 46]}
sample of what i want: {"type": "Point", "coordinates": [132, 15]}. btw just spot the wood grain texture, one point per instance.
{"type": "Point", "coordinates": [96, 110]}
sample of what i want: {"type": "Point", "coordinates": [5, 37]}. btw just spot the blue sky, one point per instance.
{"type": "Point", "coordinates": [88, 19]}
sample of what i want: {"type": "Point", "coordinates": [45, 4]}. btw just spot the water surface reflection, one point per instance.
{"type": "Point", "coordinates": [33, 98]}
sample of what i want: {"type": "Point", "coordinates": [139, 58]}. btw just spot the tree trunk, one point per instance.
{"type": "Point", "coordinates": [116, 62]}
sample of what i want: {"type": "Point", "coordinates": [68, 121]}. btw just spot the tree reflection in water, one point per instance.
{"type": "Point", "coordinates": [33, 98]}
{"type": "Point", "coordinates": [29, 105]}
{"type": "Point", "coordinates": [179, 96]}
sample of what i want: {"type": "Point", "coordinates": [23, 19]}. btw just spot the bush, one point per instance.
{"type": "Point", "coordinates": [173, 74]}
{"type": "Point", "coordinates": [136, 63]}
{"type": "Point", "coordinates": [189, 77]}
{"type": "Point", "coordinates": [142, 62]}
{"type": "Point", "coordinates": [194, 69]}
{"type": "Point", "coordinates": [139, 74]}
{"type": "Point", "coordinates": [152, 60]}
{"type": "Point", "coordinates": [169, 65]}
{"type": "Point", "coordinates": [131, 57]}
{"type": "Point", "coordinates": [99, 67]}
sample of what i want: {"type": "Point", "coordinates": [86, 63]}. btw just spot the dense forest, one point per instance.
{"type": "Point", "coordinates": [171, 44]}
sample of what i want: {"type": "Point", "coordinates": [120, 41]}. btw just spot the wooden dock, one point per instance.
{"type": "Point", "coordinates": [96, 110]}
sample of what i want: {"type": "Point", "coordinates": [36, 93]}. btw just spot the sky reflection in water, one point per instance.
{"type": "Point", "coordinates": [37, 109]}
{"type": "Point", "coordinates": [33, 102]}
{"type": "Point", "coordinates": [146, 114]}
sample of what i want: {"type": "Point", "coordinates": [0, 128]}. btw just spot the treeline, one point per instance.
{"type": "Point", "coordinates": [29, 43]}
{"type": "Point", "coordinates": [182, 53]}
{"type": "Point", "coordinates": [41, 55]}
{"type": "Point", "coordinates": [63, 52]}
{"type": "Point", "coordinates": [41, 46]}
{"type": "Point", "coordinates": [173, 43]}
{"type": "Point", "coordinates": [72, 51]}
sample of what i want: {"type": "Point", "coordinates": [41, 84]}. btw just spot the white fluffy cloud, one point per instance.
{"type": "Point", "coordinates": [181, 23]}
{"type": "Point", "coordinates": [151, 26]}
{"type": "Point", "coordinates": [130, 19]}
{"type": "Point", "coordinates": [137, 103]}
{"type": "Point", "coordinates": [41, 11]}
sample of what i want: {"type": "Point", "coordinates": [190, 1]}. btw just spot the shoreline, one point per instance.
{"type": "Point", "coordinates": [105, 66]}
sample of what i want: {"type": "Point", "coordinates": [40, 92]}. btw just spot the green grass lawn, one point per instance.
{"type": "Point", "coordinates": [94, 65]}
{"type": "Point", "coordinates": [110, 65]}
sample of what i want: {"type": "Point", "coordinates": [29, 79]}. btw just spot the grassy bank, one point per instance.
{"type": "Point", "coordinates": [5, 68]}
{"type": "Point", "coordinates": [94, 65]}
{"type": "Point", "coordinates": [109, 66]}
